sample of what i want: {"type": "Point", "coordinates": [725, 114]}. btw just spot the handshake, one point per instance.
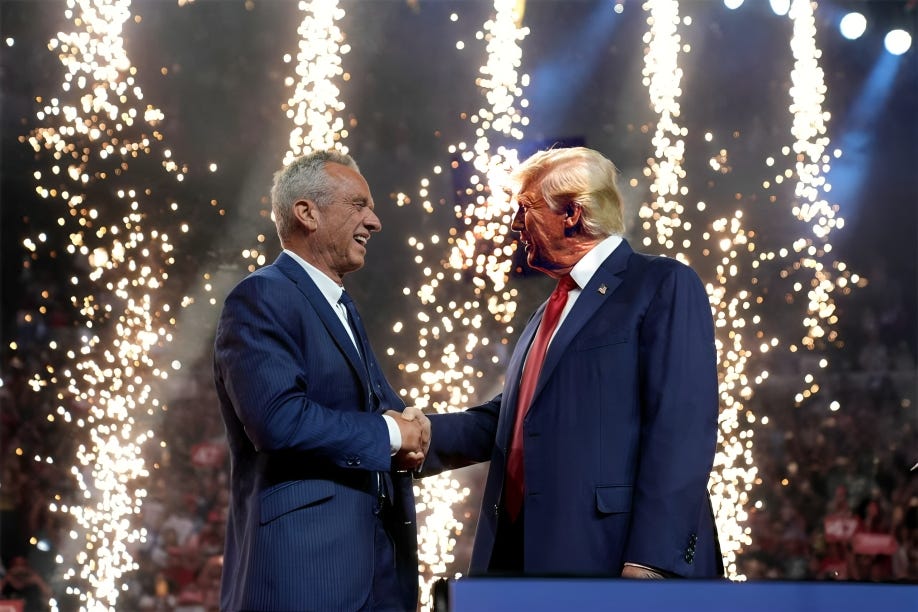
{"type": "Point", "coordinates": [415, 429]}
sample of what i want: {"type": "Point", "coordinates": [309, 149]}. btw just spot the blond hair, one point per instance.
{"type": "Point", "coordinates": [578, 175]}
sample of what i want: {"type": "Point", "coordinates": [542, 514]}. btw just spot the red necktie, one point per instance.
{"type": "Point", "coordinates": [514, 485]}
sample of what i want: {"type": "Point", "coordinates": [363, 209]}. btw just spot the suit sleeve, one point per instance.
{"type": "Point", "coordinates": [462, 438]}
{"type": "Point", "coordinates": [259, 354]}
{"type": "Point", "coordinates": [679, 411]}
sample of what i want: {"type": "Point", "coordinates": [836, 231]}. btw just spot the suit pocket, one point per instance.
{"type": "Point", "coordinates": [606, 338]}
{"type": "Point", "coordinates": [294, 495]}
{"type": "Point", "coordinates": [613, 499]}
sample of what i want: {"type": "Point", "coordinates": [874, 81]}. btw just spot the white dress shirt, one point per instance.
{"type": "Point", "coordinates": [584, 270]}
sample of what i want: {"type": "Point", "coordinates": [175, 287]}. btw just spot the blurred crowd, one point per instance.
{"type": "Point", "coordinates": [837, 498]}
{"type": "Point", "coordinates": [834, 499]}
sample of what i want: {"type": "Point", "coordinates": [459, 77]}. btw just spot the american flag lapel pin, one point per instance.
{"type": "Point", "coordinates": [602, 289]}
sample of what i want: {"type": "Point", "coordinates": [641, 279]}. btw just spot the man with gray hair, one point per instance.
{"type": "Point", "coordinates": [602, 442]}
{"type": "Point", "coordinates": [321, 510]}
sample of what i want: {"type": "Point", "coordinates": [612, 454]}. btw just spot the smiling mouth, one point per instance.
{"type": "Point", "coordinates": [362, 240]}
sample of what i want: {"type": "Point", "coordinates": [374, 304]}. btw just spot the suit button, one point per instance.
{"type": "Point", "coordinates": [689, 557]}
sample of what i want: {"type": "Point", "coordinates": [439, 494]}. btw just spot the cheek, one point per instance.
{"type": "Point", "coordinates": [533, 227]}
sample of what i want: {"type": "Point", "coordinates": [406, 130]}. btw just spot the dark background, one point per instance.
{"type": "Point", "coordinates": [408, 89]}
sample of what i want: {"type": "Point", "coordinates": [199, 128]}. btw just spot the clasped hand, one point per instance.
{"type": "Point", "coordinates": [415, 429]}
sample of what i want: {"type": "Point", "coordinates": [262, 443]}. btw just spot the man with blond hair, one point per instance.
{"type": "Point", "coordinates": [602, 442]}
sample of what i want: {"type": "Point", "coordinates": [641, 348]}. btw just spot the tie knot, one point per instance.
{"type": "Point", "coordinates": [345, 298]}
{"type": "Point", "coordinates": [565, 284]}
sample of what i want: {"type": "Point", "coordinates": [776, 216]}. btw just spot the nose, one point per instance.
{"type": "Point", "coordinates": [372, 222]}
{"type": "Point", "coordinates": [517, 224]}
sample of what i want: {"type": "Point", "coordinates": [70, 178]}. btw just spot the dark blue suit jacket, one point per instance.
{"type": "Point", "coordinates": [306, 438]}
{"type": "Point", "coordinates": [621, 433]}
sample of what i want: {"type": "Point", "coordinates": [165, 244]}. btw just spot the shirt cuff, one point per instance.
{"type": "Point", "coordinates": [656, 573]}
{"type": "Point", "coordinates": [395, 434]}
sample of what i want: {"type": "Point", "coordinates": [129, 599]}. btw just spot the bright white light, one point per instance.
{"type": "Point", "coordinates": [733, 4]}
{"type": "Point", "coordinates": [897, 42]}
{"type": "Point", "coordinates": [852, 25]}
{"type": "Point", "coordinates": [780, 7]}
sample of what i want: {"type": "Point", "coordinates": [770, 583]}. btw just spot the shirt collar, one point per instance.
{"type": "Point", "coordinates": [329, 288]}
{"type": "Point", "coordinates": [584, 269]}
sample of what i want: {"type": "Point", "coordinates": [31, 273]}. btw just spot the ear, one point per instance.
{"type": "Point", "coordinates": [306, 213]}
{"type": "Point", "coordinates": [572, 214]}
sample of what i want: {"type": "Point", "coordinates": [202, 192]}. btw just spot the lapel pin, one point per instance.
{"type": "Point", "coordinates": [602, 289]}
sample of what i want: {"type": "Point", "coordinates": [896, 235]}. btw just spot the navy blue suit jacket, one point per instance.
{"type": "Point", "coordinates": [621, 433]}
{"type": "Point", "coordinates": [302, 418]}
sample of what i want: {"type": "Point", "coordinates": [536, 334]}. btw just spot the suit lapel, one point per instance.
{"type": "Point", "coordinates": [292, 270]}
{"type": "Point", "coordinates": [512, 378]}
{"type": "Point", "coordinates": [591, 298]}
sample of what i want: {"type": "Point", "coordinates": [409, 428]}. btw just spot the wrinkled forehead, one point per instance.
{"type": "Point", "coordinates": [527, 188]}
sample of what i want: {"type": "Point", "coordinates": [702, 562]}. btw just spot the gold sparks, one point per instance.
{"type": "Point", "coordinates": [732, 299]}
{"type": "Point", "coordinates": [314, 106]}
{"type": "Point", "coordinates": [811, 164]}
{"type": "Point", "coordinates": [456, 347]}
{"type": "Point", "coordinates": [91, 135]}
{"type": "Point", "coordinates": [662, 77]}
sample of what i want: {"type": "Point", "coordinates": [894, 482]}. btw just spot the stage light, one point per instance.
{"type": "Point", "coordinates": [733, 4]}
{"type": "Point", "coordinates": [780, 7]}
{"type": "Point", "coordinates": [897, 41]}
{"type": "Point", "coordinates": [853, 25]}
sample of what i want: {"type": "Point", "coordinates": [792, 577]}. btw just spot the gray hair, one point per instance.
{"type": "Point", "coordinates": [578, 175]}
{"type": "Point", "coordinates": [304, 179]}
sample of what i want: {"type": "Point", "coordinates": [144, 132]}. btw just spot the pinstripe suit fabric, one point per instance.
{"type": "Point", "coordinates": [302, 417]}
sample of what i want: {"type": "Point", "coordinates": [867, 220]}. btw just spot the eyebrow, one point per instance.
{"type": "Point", "coordinates": [525, 200]}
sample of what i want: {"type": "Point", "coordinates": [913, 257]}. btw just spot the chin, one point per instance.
{"type": "Point", "coordinates": [356, 264]}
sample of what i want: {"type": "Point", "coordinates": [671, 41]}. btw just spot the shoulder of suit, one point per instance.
{"type": "Point", "coordinates": [266, 275]}
{"type": "Point", "coordinates": [663, 266]}
{"type": "Point", "coordinates": [663, 262]}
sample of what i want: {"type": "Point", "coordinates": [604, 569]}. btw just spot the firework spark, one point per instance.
{"type": "Point", "coordinates": [811, 252]}
{"type": "Point", "coordinates": [92, 134]}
